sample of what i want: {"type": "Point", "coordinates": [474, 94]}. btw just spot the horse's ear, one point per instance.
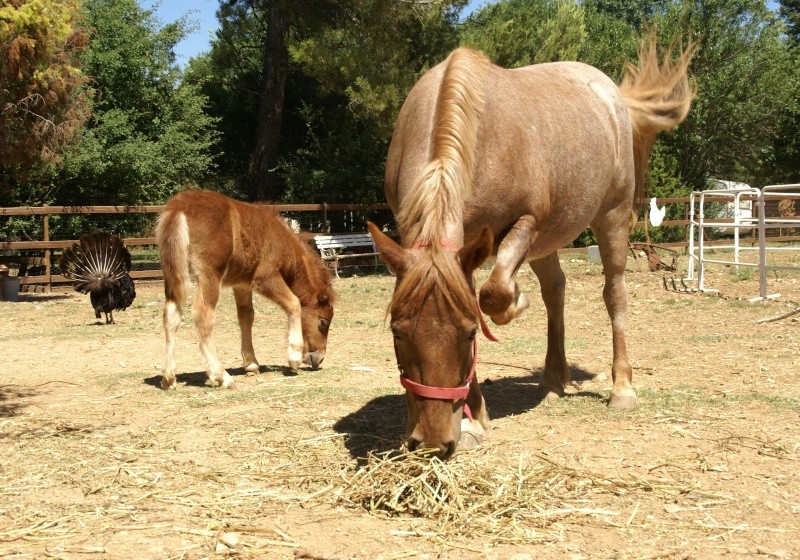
{"type": "Point", "coordinates": [478, 250]}
{"type": "Point", "coordinates": [391, 253]}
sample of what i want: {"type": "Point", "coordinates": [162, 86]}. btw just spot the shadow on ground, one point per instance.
{"type": "Point", "coordinates": [12, 399]}
{"type": "Point", "coordinates": [378, 426]}
{"type": "Point", "coordinates": [198, 378]}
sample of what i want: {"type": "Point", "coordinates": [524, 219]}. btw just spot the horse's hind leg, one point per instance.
{"type": "Point", "coordinates": [173, 309]}
{"type": "Point", "coordinates": [244, 310]}
{"type": "Point", "coordinates": [205, 304]}
{"type": "Point", "coordinates": [553, 283]}
{"type": "Point", "coordinates": [612, 237]}
{"type": "Point", "coordinates": [500, 297]}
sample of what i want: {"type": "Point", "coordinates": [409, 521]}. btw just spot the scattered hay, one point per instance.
{"type": "Point", "coordinates": [476, 491]}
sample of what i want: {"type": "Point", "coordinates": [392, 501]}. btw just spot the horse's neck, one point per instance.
{"type": "Point", "coordinates": [449, 234]}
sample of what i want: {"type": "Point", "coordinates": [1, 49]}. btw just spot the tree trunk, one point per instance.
{"type": "Point", "coordinates": [264, 184]}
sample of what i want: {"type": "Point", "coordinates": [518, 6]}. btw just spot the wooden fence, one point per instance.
{"type": "Point", "coordinates": [43, 250]}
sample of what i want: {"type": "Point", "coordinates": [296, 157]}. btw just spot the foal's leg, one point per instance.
{"type": "Point", "coordinates": [273, 287]}
{"type": "Point", "coordinates": [552, 283]}
{"type": "Point", "coordinates": [205, 304]}
{"type": "Point", "coordinates": [612, 237]}
{"type": "Point", "coordinates": [244, 310]}
{"type": "Point", "coordinates": [500, 297]}
{"type": "Point", "coordinates": [173, 309]}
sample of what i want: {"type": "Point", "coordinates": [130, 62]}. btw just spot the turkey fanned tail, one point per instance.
{"type": "Point", "coordinates": [99, 265]}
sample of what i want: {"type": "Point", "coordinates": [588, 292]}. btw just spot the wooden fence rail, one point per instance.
{"type": "Point", "coordinates": [9, 249]}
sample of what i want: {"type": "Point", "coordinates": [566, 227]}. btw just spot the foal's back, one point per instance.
{"type": "Point", "coordinates": [232, 237]}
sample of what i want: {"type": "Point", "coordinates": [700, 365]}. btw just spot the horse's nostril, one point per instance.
{"type": "Point", "coordinates": [442, 451]}
{"type": "Point", "coordinates": [447, 449]}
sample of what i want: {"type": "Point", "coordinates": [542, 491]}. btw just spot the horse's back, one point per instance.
{"type": "Point", "coordinates": [549, 133]}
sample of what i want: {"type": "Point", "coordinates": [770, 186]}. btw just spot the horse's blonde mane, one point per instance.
{"type": "Point", "coordinates": [438, 197]}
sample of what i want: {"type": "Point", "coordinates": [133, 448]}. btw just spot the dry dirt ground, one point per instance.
{"type": "Point", "coordinates": [97, 462]}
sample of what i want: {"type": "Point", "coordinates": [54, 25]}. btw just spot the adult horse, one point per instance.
{"type": "Point", "coordinates": [222, 242]}
{"type": "Point", "coordinates": [517, 163]}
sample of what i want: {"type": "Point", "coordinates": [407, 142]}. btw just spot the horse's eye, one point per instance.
{"type": "Point", "coordinates": [396, 334]}
{"type": "Point", "coordinates": [324, 323]}
{"type": "Point", "coordinates": [472, 335]}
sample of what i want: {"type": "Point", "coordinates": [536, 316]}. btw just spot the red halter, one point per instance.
{"type": "Point", "coordinates": [447, 393]}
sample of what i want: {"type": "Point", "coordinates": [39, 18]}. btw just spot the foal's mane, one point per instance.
{"type": "Point", "coordinates": [315, 277]}
{"type": "Point", "coordinates": [438, 197]}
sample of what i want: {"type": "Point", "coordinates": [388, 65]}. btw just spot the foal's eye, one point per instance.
{"type": "Point", "coordinates": [324, 323]}
{"type": "Point", "coordinates": [472, 335]}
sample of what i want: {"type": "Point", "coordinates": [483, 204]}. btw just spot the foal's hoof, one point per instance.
{"type": "Point", "coordinates": [294, 365]}
{"type": "Point", "coordinates": [167, 385]}
{"type": "Point", "coordinates": [622, 401]}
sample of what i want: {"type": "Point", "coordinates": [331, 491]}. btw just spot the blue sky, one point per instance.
{"type": "Point", "coordinates": [202, 12]}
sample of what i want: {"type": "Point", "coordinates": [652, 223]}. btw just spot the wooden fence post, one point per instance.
{"type": "Point", "coordinates": [47, 271]}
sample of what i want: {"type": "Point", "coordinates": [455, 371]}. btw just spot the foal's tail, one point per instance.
{"type": "Point", "coordinates": [172, 234]}
{"type": "Point", "coordinates": [658, 97]}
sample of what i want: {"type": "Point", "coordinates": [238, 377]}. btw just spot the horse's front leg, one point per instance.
{"type": "Point", "coordinates": [553, 283]}
{"type": "Point", "coordinates": [273, 287]}
{"type": "Point", "coordinates": [500, 297]}
{"type": "Point", "coordinates": [203, 310]}
{"type": "Point", "coordinates": [472, 430]}
{"type": "Point", "coordinates": [245, 313]}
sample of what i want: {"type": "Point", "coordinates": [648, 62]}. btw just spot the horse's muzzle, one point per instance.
{"type": "Point", "coordinates": [314, 359]}
{"type": "Point", "coordinates": [442, 451]}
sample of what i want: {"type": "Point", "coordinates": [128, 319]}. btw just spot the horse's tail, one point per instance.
{"type": "Point", "coordinates": [172, 235]}
{"type": "Point", "coordinates": [438, 197]}
{"type": "Point", "coordinates": [658, 97]}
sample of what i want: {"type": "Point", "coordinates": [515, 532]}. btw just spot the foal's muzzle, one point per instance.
{"type": "Point", "coordinates": [314, 359]}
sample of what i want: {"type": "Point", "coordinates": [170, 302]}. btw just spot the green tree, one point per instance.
{"type": "Point", "coordinates": [350, 64]}
{"type": "Point", "coordinates": [149, 136]}
{"type": "Point", "coordinates": [790, 12]}
{"type": "Point", "coordinates": [517, 33]}
{"type": "Point", "coordinates": [746, 78]}
{"type": "Point", "coordinates": [42, 105]}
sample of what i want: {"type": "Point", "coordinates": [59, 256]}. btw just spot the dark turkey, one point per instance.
{"type": "Point", "coordinates": [99, 265]}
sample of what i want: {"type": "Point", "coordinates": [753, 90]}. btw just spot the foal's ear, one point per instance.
{"type": "Point", "coordinates": [478, 250]}
{"type": "Point", "coordinates": [391, 253]}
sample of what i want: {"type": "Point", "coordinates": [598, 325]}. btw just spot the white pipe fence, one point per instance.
{"type": "Point", "coordinates": [743, 201]}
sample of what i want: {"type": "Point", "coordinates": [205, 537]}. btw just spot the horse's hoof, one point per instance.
{"type": "Point", "coordinates": [167, 385]}
{"type": "Point", "coordinates": [622, 402]}
{"type": "Point", "coordinates": [294, 365]}
{"type": "Point", "coordinates": [547, 393]}
{"type": "Point", "coordinates": [469, 440]}
{"type": "Point", "coordinates": [471, 434]}
{"type": "Point", "coordinates": [251, 369]}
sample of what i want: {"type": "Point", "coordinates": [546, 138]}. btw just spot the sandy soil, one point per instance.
{"type": "Point", "coordinates": [98, 462]}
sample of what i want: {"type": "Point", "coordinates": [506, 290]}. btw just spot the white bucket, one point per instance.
{"type": "Point", "coordinates": [593, 253]}
{"type": "Point", "coordinates": [10, 288]}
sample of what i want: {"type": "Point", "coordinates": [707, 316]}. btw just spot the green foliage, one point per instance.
{"type": "Point", "coordinates": [746, 80]}
{"type": "Point", "coordinates": [149, 136]}
{"type": "Point", "coordinates": [351, 64]}
{"type": "Point", "coordinates": [520, 32]}
{"type": "Point", "coordinates": [41, 103]}
{"type": "Point", "coordinates": [790, 12]}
